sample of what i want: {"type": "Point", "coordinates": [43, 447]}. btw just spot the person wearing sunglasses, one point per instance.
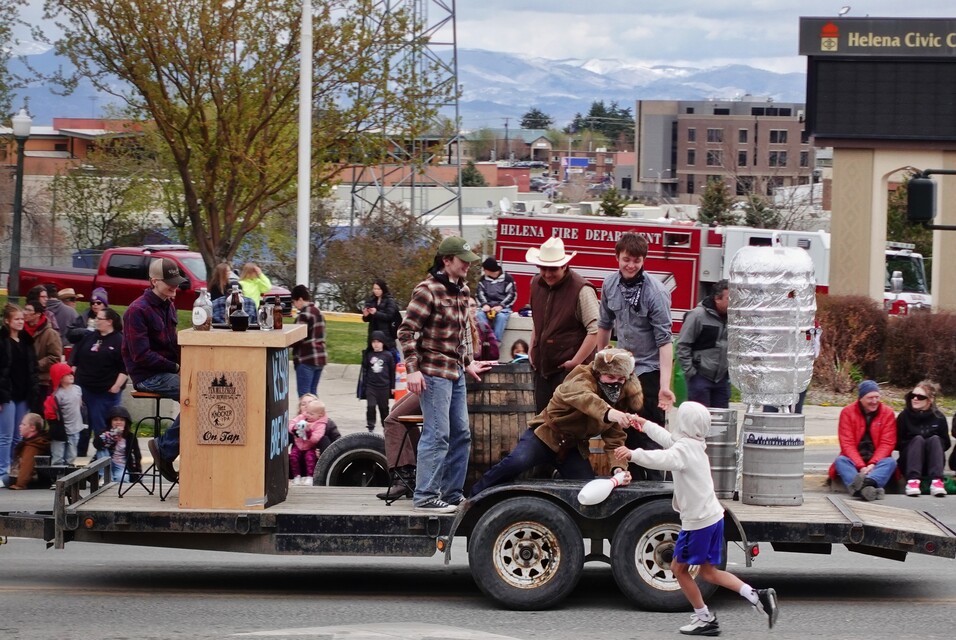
{"type": "Point", "coordinates": [99, 301]}
{"type": "Point", "coordinates": [922, 439]}
{"type": "Point", "coordinates": [867, 434]}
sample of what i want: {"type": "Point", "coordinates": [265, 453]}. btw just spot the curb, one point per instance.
{"type": "Point", "coordinates": [821, 440]}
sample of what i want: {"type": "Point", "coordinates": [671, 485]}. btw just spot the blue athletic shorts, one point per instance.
{"type": "Point", "coordinates": [702, 546]}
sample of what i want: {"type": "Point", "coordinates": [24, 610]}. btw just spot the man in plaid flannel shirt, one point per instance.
{"type": "Point", "coordinates": [436, 343]}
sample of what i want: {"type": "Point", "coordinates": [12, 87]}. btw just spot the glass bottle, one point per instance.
{"type": "Point", "coordinates": [276, 313]}
{"type": "Point", "coordinates": [235, 304]}
{"type": "Point", "coordinates": [265, 315]}
{"type": "Point", "coordinates": [202, 311]}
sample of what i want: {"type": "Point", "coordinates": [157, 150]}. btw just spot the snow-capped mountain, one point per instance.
{"type": "Point", "coordinates": [501, 85]}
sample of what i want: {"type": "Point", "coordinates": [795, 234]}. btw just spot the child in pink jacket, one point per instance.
{"type": "Point", "coordinates": [307, 429]}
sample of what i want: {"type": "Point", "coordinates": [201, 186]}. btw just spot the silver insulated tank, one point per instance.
{"type": "Point", "coordinates": [770, 324]}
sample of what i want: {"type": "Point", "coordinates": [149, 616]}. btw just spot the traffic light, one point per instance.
{"type": "Point", "coordinates": [920, 200]}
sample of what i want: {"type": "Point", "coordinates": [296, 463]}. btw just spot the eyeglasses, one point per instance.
{"type": "Point", "coordinates": [920, 396]}
{"type": "Point", "coordinates": [69, 299]}
{"type": "Point", "coordinates": [97, 302]}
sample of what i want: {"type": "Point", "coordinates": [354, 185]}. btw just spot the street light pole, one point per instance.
{"type": "Point", "coordinates": [21, 131]}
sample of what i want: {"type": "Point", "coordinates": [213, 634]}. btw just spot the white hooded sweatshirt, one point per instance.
{"type": "Point", "coordinates": [685, 454]}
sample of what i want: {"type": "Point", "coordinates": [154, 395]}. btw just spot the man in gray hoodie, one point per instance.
{"type": "Point", "coordinates": [702, 350]}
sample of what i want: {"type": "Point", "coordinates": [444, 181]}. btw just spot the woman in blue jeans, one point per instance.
{"type": "Point", "coordinates": [100, 371]}
{"type": "Point", "coordinates": [19, 386]}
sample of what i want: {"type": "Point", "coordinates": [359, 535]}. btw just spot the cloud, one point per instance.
{"type": "Point", "coordinates": [761, 34]}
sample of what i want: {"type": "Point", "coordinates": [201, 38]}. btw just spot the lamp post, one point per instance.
{"type": "Point", "coordinates": [21, 131]}
{"type": "Point", "coordinates": [660, 173]}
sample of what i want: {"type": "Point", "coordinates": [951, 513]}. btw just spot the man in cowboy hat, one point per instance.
{"type": "Point", "coordinates": [564, 314]}
{"type": "Point", "coordinates": [436, 342]}
{"type": "Point", "coordinates": [601, 398]}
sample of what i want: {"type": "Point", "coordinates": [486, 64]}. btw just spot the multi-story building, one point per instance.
{"type": "Point", "coordinates": [753, 145]}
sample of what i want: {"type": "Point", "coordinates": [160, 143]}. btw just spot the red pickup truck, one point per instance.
{"type": "Point", "coordinates": [123, 273]}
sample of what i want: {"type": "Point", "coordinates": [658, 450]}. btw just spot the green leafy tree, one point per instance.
{"type": "Point", "coordinates": [614, 123]}
{"type": "Point", "coordinates": [898, 229]}
{"type": "Point", "coordinates": [471, 177]}
{"type": "Point", "coordinates": [110, 199]}
{"type": "Point", "coordinates": [536, 119]}
{"type": "Point", "coordinates": [219, 81]}
{"type": "Point", "coordinates": [613, 203]}
{"type": "Point", "coordinates": [715, 203]}
{"type": "Point", "coordinates": [481, 142]}
{"type": "Point", "coordinates": [9, 17]}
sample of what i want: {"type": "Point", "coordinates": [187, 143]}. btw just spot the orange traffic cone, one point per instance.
{"type": "Point", "coordinates": [400, 382]}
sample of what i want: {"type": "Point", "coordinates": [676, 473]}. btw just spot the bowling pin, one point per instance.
{"type": "Point", "coordinates": [599, 489]}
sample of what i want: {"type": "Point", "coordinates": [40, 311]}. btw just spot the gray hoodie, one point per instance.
{"type": "Point", "coordinates": [685, 454]}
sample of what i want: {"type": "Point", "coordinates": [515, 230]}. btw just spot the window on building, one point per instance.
{"type": "Point", "coordinates": [741, 158]}
{"type": "Point", "coordinates": [691, 134]}
{"type": "Point", "coordinates": [742, 135]}
{"type": "Point", "coordinates": [690, 110]}
{"type": "Point", "coordinates": [715, 158]}
{"type": "Point", "coordinates": [778, 136]}
{"type": "Point", "coordinates": [745, 185]}
{"type": "Point", "coordinates": [721, 111]}
{"type": "Point", "coordinates": [715, 135]}
{"type": "Point", "coordinates": [60, 146]}
{"type": "Point", "coordinates": [692, 157]}
{"type": "Point", "coordinates": [778, 158]}
{"type": "Point", "coordinates": [690, 184]}
{"type": "Point", "coordinates": [757, 111]}
{"type": "Point", "coordinates": [773, 183]}
{"type": "Point", "coordinates": [804, 158]}
{"type": "Point", "coordinates": [608, 159]}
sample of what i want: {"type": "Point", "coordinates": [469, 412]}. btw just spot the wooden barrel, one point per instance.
{"type": "Point", "coordinates": [499, 408]}
{"type": "Point", "coordinates": [598, 458]}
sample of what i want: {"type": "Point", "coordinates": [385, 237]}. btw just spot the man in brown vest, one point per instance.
{"type": "Point", "coordinates": [564, 314]}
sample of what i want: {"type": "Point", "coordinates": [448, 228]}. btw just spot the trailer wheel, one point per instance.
{"type": "Point", "coordinates": [641, 554]}
{"type": "Point", "coordinates": [355, 460]}
{"type": "Point", "coordinates": [526, 554]}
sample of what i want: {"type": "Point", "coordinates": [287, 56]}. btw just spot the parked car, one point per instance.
{"type": "Point", "coordinates": [123, 272]}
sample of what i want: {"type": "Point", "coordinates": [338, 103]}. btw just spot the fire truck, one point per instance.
{"type": "Point", "coordinates": [686, 257]}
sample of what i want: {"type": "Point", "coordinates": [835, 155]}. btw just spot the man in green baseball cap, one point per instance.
{"type": "Point", "coordinates": [436, 343]}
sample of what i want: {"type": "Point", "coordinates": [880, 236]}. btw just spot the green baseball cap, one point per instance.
{"type": "Point", "coordinates": [455, 246]}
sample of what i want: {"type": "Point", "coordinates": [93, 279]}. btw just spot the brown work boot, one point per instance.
{"type": "Point", "coordinates": [165, 467]}
{"type": "Point", "coordinates": [403, 484]}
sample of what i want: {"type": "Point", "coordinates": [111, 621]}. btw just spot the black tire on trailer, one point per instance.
{"type": "Point", "coordinates": [526, 554]}
{"type": "Point", "coordinates": [354, 460]}
{"type": "Point", "coordinates": [641, 552]}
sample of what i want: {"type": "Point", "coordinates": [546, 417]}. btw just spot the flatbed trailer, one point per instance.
{"type": "Point", "coordinates": [525, 540]}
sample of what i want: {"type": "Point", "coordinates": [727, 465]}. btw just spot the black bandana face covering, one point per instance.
{"type": "Point", "coordinates": [611, 390]}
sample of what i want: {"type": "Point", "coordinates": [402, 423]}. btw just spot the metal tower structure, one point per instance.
{"type": "Point", "coordinates": [421, 166]}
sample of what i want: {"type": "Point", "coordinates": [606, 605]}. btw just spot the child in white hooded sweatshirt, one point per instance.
{"type": "Point", "coordinates": [701, 540]}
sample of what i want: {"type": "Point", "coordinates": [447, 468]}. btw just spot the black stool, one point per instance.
{"type": "Point", "coordinates": [159, 423]}
{"type": "Point", "coordinates": [409, 422]}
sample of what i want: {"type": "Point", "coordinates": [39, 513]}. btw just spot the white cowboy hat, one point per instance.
{"type": "Point", "coordinates": [551, 254]}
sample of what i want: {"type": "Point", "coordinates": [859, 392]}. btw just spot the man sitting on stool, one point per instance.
{"type": "Point", "coordinates": [151, 352]}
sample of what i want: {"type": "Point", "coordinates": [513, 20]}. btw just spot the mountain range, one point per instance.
{"type": "Point", "coordinates": [499, 85]}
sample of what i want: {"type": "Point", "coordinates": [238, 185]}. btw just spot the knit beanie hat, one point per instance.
{"type": "Point", "coordinates": [614, 362]}
{"type": "Point", "coordinates": [99, 293]}
{"type": "Point", "coordinates": [378, 335]}
{"type": "Point", "coordinates": [867, 386]}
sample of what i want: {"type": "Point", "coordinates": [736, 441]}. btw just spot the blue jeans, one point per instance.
{"type": "Point", "coordinates": [881, 473]}
{"type": "Point", "coordinates": [10, 418]}
{"type": "Point", "coordinates": [500, 323]}
{"type": "Point", "coordinates": [64, 451]}
{"type": "Point", "coordinates": [445, 442]}
{"type": "Point", "coordinates": [708, 393]}
{"type": "Point", "coordinates": [307, 378]}
{"type": "Point", "coordinates": [166, 385]}
{"type": "Point", "coordinates": [98, 405]}
{"type": "Point", "coordinates": [529, 453]}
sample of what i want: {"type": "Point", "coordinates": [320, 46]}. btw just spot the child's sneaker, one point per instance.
{"type": "Point", "coordinates": [295, 481]}
{"type": "Point", "coordinates": [767, 603]}
{"type": "Point", "coordinates": [912, 487]}
{"type": "Point", "coordinates": [698, 627]}
{"type": "Point", "coordinates": [937, 489]}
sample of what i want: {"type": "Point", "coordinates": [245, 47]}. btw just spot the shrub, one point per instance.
{"type": "Point", "coordinates": [922, 345]}
{"type": "Point", "coordinates": [854, 330]}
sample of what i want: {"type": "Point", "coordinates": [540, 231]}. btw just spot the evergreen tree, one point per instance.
{"type": "Point", "coordinates": [471, 177]}
{"type": "Point", "coordinates": [536, 119]}
{"type": "Point", "coordinates": [715, 202]}
{"type": "Point", "coordinates": [613, 203]}
{"type": "Point", "coordinates": [759, 215]}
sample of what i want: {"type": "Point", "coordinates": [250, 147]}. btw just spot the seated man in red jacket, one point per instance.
{"type": "Point", "coordinates": [867, 433]}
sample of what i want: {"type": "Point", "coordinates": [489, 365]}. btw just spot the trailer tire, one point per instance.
{"type": "Point", "coordinates": [641, 553]}
{"type": "Point", "coordinates": [354, 460]}
{"type": "Point", "coordinates": [526, 554]}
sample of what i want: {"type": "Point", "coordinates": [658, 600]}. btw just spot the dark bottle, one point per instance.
{"type": "Point", "coordinates": [235, 304]}
{"type": "Point", "coordinates": [276, 314]}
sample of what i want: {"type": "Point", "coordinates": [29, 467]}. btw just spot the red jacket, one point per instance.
{"type": "Point", "coordinates": [850, 432]}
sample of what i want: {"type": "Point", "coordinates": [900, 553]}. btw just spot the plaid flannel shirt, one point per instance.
{"type": "Point", "coordinates": [310, 351]}
{"type": "Point", "coordinates": [435, 335]}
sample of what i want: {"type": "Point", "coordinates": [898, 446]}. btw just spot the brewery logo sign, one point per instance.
{"type": "Point", "coordinates": [222, 407]}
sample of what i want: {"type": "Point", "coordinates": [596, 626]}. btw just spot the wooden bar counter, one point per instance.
{"type": "Point", "coordinates": [234, 436]}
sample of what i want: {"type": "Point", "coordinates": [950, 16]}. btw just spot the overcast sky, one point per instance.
{"type": "Point", "coordinates": [698, 33]}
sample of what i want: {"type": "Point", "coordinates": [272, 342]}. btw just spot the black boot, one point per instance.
{"type": "Point", "coordinates": [400, 489]}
